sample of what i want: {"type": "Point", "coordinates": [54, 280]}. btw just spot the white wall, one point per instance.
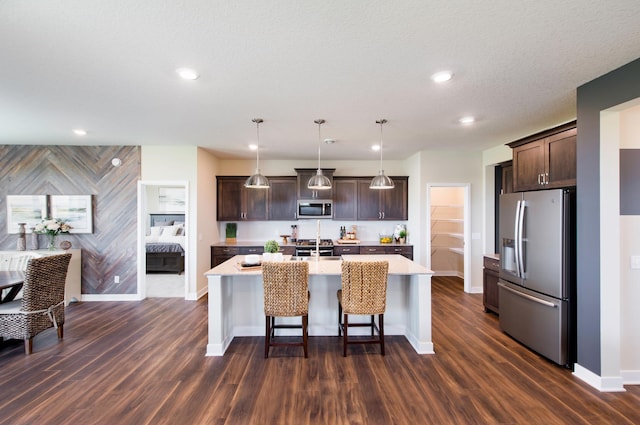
{"type": "Point", "coordinates": [630, 279]}
{"type": "Point", "coordinates": [490, 158]}
{"type": "Point", "coordinates": [171, 164]}
{"type": "Point", "coordinates": [205, 215]}
{"type": "Point", "coordinates": [456, 167]}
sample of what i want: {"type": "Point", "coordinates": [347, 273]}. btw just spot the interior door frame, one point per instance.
{"type": "Point", "coordinates": [467, 229]}
{"type": "Point", "coordinates": [142, 213]}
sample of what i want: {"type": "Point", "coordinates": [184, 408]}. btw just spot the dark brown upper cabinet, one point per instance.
{"type": "Point", "coordinates": [545, 160]}
{"type": "Point", "coordinates": [282, 198]}
{"type": "Point", "coordinates": [383, 204]}
{"type": "Point", "coordinates": [304, 174]}
{"type": "Point", "coordinates": [236, 202]}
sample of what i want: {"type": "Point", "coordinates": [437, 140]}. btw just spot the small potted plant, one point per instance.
{"type": "Point", "coordinates": [271, 247]}
{"type": "Point", "coordinates": [402, 236]}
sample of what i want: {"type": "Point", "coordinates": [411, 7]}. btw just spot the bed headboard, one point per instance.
{"type": "Point", "coordinates": [162, 219]}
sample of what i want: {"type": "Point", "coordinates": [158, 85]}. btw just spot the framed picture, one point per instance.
{"type": "Point", "coordinates": [25, 209]}
{"type": "Point", "coordinates": [171, 199]}
{"type": "Point", "coordinates": [75, 210]}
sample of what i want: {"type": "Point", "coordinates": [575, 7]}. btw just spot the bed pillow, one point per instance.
{"type": "Point", "coordinates": [156, 231]}
{"type": "Point", "coordinates": [170, 230]}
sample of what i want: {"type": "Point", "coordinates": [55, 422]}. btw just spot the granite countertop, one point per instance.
{"type": "Point", "coordinates": [241, 243]}
{"type": "Point", "coordinates": [398, 265]}
{"type": "Point", "coordinates": [493, 256]}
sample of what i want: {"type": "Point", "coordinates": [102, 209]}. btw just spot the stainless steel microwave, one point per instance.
{"type": "Point", "coordinates": [315, 209]}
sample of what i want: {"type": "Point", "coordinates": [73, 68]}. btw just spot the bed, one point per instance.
{"type": "Point", "coordinates": [165, 243]}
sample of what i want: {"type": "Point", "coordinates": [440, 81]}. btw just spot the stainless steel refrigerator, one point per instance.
{"type": "Point", "coordinates": [537, 271]}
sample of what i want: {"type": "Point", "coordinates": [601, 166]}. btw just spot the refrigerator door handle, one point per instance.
{"type": "Point", "coordinates": [527, 296]}
{"type": "Point", "coordinates": [516, 245]}
{"type": "Point", "coordinates": [519, 239]}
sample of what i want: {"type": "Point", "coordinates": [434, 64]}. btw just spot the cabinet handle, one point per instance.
{"type": "Point", "coordinates": [539, 178]}
{"type": "Point", "coordinates": [546, 178]}
{"type": "Point", "coordinates": [383, 215]}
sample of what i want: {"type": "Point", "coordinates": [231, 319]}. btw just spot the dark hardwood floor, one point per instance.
{"type": "Point", "coordinates": [143, 363]}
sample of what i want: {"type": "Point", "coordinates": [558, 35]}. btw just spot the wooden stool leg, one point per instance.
{"type": "Point", "coordinates": [60, 331]}
{"type": "Point", "coordinates": [381, 329]}
{"type": "Point", "coordinates": [339, 319]}
{"type": "Point", "coordinates": [345, 338]}
{"type": "Point", "coordinates": [267, 336]}
{"type": "Point", "coordinates": [373, 325]}
{"type": "Point", "coordinates": [305, 335]}
{"type": "Point", "coordinates": [28, 346]}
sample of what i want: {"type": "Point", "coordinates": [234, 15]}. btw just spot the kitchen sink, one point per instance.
{"type": "Point", "coordinates": [327, 258]}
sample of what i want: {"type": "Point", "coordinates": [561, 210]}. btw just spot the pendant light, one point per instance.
{"type": "Point", "coordinates": [381, 181]}
{"type": "Point", "coordinates": [257, 180]}
{"type": "Point", "coordinates": [319, 181]}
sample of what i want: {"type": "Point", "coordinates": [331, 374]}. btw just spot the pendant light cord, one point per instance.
{"type": "Point", "coordinates": [381, 122]}
{"type": "Point", "coordinates": [319, 122]}
{"type": "Point", "coordinates": [257, 121]}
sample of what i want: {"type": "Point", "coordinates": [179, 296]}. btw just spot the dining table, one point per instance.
{"type": "Point", "coordinates": [11, 280]}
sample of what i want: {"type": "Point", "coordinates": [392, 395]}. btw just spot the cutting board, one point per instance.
{"type": "Point", "coordinates": [348, 241]}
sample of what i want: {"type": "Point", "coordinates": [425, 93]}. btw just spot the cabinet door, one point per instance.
{"type": "Point", "coordinates": [236, 202]}
{"type": "Point", "coordinates": [405, 250]}
{"type": "Point", "coordinates": [256, 205]}
{"type": "Point", "coordinates": [282, 198]}
{"type": "Point", "coordinates": [368, 201]}
{"type": "Point", "coordinates": [305, 193]}
{"type": "Point", "coordinates": [528, 166]}
{"type": "Point", "coordinates": [490, 291]}
{"type": "Point", "coordinates": [345, 199]}
{"type": "Point", "coordinates": [229, 199]}
{"type": "Point", "coordinates": [560, 157]}
{"type": "Point", "coordinates": [507, 179]}
{"type": "Point", "coordinates": [394, 204]}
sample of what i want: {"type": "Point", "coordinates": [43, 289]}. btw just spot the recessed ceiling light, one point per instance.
{"type": "Point", "coordinates": [253, 147]}
{"type": "Point", "coordinates": [80, 132]}
{"type": "Point", "coordinates": [467, 120]}
{"type": "Point", "coordinates": [442, 76]}
{"type": "Point", "coordinates": [187, 73]}
{"type": "Point", "coordinates": [329, 141]}
{"type": "Point", "coordinates": [375, 148]}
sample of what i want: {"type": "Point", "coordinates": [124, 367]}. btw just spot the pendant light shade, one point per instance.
{"type": "Point", "coordinates": [257, 180]}
{"type": "Point", "coordinates": [319, 181]}
{"type": "Point", "coordinates": [381, 181]}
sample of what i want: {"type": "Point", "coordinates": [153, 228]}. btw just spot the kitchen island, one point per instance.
{"type": "Point", "coordinates": [236, 301]}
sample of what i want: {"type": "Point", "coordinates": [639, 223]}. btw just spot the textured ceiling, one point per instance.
{"type": "Point", "coordinates": [109, 67]}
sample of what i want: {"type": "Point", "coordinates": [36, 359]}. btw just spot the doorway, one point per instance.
{"type": "Point", "coordinates": [448, 230]}
{"type": "Point", "coordinates": [163, 223]}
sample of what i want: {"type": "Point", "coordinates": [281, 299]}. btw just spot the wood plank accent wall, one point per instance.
{"type": "Point", "coordinates": [83, 170]}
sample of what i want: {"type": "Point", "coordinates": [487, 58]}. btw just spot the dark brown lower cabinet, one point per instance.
{"type": "Point", "coordinates": [490, 285]}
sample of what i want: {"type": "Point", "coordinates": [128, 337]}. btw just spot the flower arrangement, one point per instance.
{"type": "Point", "coordinates": [52, 227]}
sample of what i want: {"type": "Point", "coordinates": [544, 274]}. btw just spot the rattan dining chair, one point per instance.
{"type": "Point", "coordinates": [286, 294]}
{"type": "Point", "coordinates": [42, 303]}
{"type": "Point", "coordinates": [364, 292]}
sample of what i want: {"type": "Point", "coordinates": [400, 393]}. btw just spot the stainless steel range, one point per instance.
{"type": "Point", "coordinates": [307, 247]}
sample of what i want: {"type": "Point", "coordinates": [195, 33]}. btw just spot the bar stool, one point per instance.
{"type": "Point", "coordinates": [286, 294]}
{"type": "Point", "coordinates": [364, 292]}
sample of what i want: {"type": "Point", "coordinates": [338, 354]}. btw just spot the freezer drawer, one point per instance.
{"type": "Point", "coordinates": [537, 321]}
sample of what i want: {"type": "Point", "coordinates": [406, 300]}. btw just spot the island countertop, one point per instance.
{"type": "Point", "coordinates": [236, 300]}
{"type": "Point", "coordinates": [398, 265]}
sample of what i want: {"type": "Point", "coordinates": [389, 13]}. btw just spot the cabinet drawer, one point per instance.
{"type": "Point", "coordinates": [372, 250]}
{"type": "Point", "coordinates": [225, 250]}
{"type": "Point", "coordinates": [402, 250]}
{"type": "Point", "coordinates": [349, 250]}
{"type": "Point", "coordinates": [492, 264]}
{"type": "Point", "coordinates": [251, 250]}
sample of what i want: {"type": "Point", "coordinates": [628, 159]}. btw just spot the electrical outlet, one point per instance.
{"type": "Point", "coordinates": [116, 279]}
{"type": "Point", "coordinates": [635, 261]}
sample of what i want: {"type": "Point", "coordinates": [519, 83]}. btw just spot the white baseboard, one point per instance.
{"type": "Point", "coordinates": [630, 377]}
{"type": "Point", "coordinates": [605, 384]}
{"type": "Point", "coordinates": [110, 297]}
